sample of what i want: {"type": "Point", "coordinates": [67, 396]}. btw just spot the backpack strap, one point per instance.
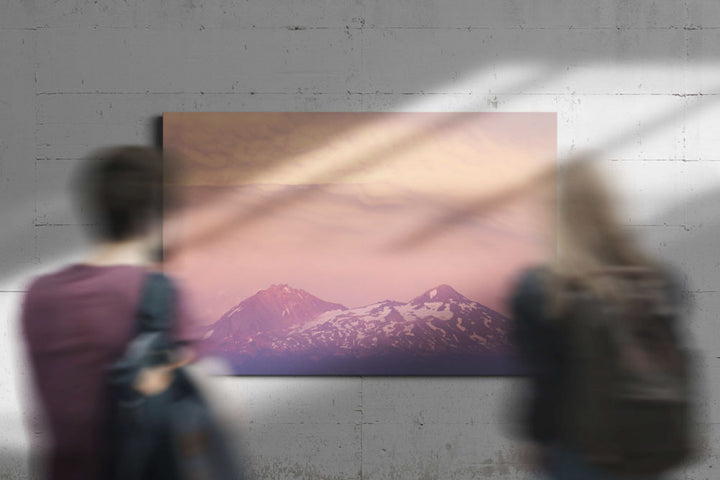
{"type": "Point", "coordinates": [156, 308]}
{"type": "Point", "coordinates": [152, 344]}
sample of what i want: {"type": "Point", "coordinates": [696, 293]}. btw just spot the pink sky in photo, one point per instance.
{"type": "Point", "coordinates": [332, 203]}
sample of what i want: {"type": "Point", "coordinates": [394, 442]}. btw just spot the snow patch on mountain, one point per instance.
{"type": "Point", "coordinates": [427, 310]}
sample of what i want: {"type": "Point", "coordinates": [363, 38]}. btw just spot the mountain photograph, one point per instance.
{"type": "Point", "coordinates": [358, 243]}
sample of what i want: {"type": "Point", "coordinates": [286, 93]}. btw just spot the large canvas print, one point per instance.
{"type": "Point", "coordinates": [358, 243]}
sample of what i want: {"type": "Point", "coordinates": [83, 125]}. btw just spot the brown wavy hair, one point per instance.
{"type": "Point", "coordinates": [594, 252]}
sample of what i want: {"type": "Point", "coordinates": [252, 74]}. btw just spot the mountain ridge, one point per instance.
{"type": "Point", "coordinates": [439, 322]}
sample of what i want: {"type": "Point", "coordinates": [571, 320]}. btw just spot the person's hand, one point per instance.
{"type": "Point", "coordinates": [154, 380]}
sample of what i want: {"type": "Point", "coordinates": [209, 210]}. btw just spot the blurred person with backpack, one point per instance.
{"type": "Point", "coordinates": [82, 320]}
{"type": "Point", "coordinates": [600, 330]}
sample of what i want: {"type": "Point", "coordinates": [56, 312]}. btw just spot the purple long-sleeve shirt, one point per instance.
{"type": "Point", "coordinates": [76, 322]}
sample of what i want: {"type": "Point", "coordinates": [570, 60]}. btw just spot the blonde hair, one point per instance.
{"type": "Point", "coordinates": [590, 239]}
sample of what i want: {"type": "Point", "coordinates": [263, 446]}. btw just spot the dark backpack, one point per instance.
{"type": "Point", "coordinates": [169, 436]}
{"type": "Point", "coordinates": [627, 406]}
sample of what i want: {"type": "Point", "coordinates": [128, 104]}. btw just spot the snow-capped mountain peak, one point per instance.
{"type": "Point", "coordinates": [276, 307]}
{"type": "Point", "coordinates": [441, 293]}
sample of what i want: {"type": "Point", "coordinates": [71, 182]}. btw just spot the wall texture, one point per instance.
{"type": "Point", "coordinates": [636, 80]}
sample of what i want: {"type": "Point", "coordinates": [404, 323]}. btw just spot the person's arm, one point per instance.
{"type": "Point", "coordinates": [538, 341]}
{"type": "Point", "coordinates": [527, 304]}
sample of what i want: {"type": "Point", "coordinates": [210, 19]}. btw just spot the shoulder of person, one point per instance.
{"type": "Point", "coordinates": [529, 298]}
{"type": "Point", "coordinates": [43, 282]}
{"type": "Point", "coordinates": [530, 283]}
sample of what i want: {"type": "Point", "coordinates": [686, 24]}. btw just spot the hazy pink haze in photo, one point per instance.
{"type": "Point", "coordinates": [353, 207]}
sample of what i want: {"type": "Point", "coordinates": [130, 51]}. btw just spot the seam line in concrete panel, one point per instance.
{"type": "Point", "coordinates": [295, 93]}
{"type": "Point", "coordinates": [43, 224]}
{"type": "Point", "coordinates": [300, 28]}
{"type": "Point", "coordinates": [362, 423]}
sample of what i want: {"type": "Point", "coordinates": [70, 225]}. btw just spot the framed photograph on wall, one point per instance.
{"type": "Point", "coordinates": [358, 243]}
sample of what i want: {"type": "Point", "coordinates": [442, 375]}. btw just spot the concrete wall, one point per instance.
{"type": "Point", "coordinates": [638, 80]}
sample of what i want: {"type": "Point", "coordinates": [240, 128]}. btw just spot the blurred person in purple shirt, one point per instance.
{"type": "Point", "coordinates": [79, 320]}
